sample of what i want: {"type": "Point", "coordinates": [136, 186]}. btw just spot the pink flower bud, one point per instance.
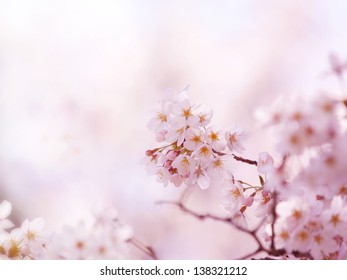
{"type": "Point", "coordinates": [249, 201]}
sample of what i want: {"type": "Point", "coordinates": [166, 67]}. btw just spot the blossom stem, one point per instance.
{"type": "Point", "coordinates": [227, 220]}
{"type": "Point", "coordinates": [274, 219]}
{"type": "Point", "coordinates": [148, 250]}
{"type": "Point", "coordinates": [249, 185]}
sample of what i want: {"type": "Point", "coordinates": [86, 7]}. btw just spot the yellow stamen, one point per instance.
{"type": "Point", "coordinates": [233, 138]}
{"type": "Point", "coordinates": [284, 235]}
{"type": "Point", "coordinates": [204, 151]}
{"type": "Point", "coordinates": [162, 117]}
{"type": "Point", "coordinates": [196, 139]}
{"type": "Point", "coordinates": [297, 214]}
{"type": "Point", "coordinates": [218, 164]}
{"type": "Point", "coordinates": [14, 251]}
{"type": "Point", "coordinates": [187, 113]}
{"type": "Point", "coordinates": [236, 193]}
{"type": "Point", "coordinates": [185, 162]}
{"type": "Point", "coordinates": [335, 219]}
{"type": "Point", "coordinates": [343, 190]}
{"type": "Point", "coordinates": [214, 136]}
{"type": "Point", "coordinates": [330, 161]}
{"type": "Point", "coordinates": [80, 245]}
{"type": "Point", "coordinates": [318, 239]}
{"type": "Point", "coordinates": [303, 235]}
{"type": "Point", "coordinates": [31, 235]}
{"type": "Point", "coordinates": [294, 140]}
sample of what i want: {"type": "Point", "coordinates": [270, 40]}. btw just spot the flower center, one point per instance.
{"type": "Point", "coordinates": [335, 219]}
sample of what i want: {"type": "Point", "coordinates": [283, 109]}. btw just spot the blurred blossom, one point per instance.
{"type": "Point", "coordinates": [265, 163]}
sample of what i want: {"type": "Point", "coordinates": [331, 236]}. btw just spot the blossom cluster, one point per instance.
{"type": "Point", "coordinates": [24, 242]}
{"type": "Point", "coordinates": [302, 199]}
{"type": "Point", "coordinates": [311, 184]}
{"type": "Point", "coordinates": [101, 237]}
{"type": "Point", "coordinates": [194, 153]}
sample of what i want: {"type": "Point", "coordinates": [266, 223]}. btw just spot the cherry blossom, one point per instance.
{"type": "Point", "coordinates": [103, 237]}
{"type": "Point", "coordinates": [265, 163]}
{"type": "Point", "coordinates": [294, 207]}
{"type": "Point", "coordinates": [234, 197]}
{"type": "Point", "coordinates": [5, 210]}
{"type": "Point", "coordinates": [215, 139]}
{"type": "Point", "coordinates": [25, 242]}
{"type": "Point", "coordinates": [193, 153]}
{"type": "Point", "coordinates": [335, 216]}
{"type": "Point", "coordinates": [234, 139]}
{"type": "Point", "coordinates": [301, 199]}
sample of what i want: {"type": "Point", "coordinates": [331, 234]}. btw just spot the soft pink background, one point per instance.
{"type": "Point", "coordinates": [79, 81]}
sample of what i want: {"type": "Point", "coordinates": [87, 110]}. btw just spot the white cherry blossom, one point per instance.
{"type": "Point", "coordinates": [215, 139]}
{"type": "Point", "coordinates": [5, 211]}
{"type": "Point", "coordinates": [234, 140]}
{"type": "Point", "coordinates": [265, 163]}
{"type": "Point", "coordinates": [335, 216]}
{"type": "Point", "coordinates": [184, 164]}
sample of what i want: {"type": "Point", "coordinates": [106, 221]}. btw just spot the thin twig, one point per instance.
{"type": "Point", "coordinates": [274, 219]}
{"type": "Point", "coordinates": [245, 160]}
{"type": "Point", "coordinates": [238, 158]}
{"type": "Point", "coordinates": [248, 256]}
{"type": "Point", "coordinates": [272, 251]}
{"type": "Point", "coordinates": [227, 220]}
{"type": "Point", "coordinates": [147, 250]}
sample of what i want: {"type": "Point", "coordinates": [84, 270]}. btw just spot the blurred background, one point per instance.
{"type": "Point", "coordinates": [79, 81]}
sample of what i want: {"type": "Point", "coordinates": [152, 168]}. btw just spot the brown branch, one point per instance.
{"type": "Point", "coordinates": [196, 215]}
{"type": "Point", "coordinates": [272, 251]}
{"type": "Point", "coordinates": [147, 250]}
{"type": "Point", "coordinates": [301, 255]}
{"type": "Point", "coordinates": [245, 160]}
{"type": "Point", "coordinates": [250, 255]}
{"type": "Point", "coordinates": [238, 158]}
{"type": "Point", "coordinates": [226, 220]}
{"type": "Point", "coordinates": [274, 219]}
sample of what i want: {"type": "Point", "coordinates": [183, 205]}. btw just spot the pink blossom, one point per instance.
{"type": "Point", "coordinates": [265, 163]}
{"type": "Point", "coordinates": [234, 139]}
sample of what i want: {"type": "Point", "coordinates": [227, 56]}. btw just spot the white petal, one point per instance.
{"type": "Point", "coordinates": [37, 224]}
{"type": "Point", "coordinates": [125, 233]}
{"type": "Point", "coordinates": [5, 209]}
{"type": "Point", "coordinates": [336, 203]}
{"type": "Point", "coordinates": [203, 181]}
{"type": "Point", "coordinates": [5, 224]}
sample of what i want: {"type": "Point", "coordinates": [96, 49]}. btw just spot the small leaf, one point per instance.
{"type": "Point", "coordinates": [243, 208]}
{"type": "Point", "coordinates": [262, 182]}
